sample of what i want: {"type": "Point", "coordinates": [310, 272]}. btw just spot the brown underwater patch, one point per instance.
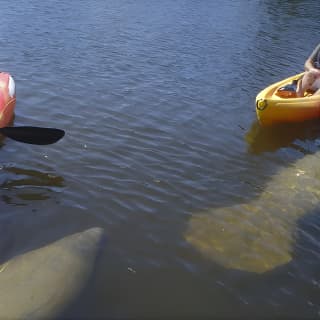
{"type": "Point", "coordinates": [260, 235]}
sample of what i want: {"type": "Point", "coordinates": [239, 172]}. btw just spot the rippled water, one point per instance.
{"type": "Point", "coordinates": [157, 100]}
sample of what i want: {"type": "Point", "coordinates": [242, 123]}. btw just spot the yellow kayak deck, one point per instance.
{"type": "Point", "coordinates": [273, 109]}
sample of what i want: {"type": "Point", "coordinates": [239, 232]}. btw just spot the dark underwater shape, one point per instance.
{"type": "Point", "coordinates": [42, 283]}
{"type": "Point", "coordinates": [259, 236]}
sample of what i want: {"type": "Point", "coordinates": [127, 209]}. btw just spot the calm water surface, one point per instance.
{"type": "Point", "coordinates": [157, 100]}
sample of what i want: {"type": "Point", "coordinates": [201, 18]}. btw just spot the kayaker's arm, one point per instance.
{"type": "Point", "coordinates": [310, 62]}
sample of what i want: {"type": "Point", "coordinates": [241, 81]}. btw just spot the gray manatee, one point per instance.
{"type": "Point", "coordinates": [259, 236]}
{"type": "Point", "coordinates": [41, 283]}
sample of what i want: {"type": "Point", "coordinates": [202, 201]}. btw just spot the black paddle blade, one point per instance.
{"type": "Point", "coordinates": [33, 135]}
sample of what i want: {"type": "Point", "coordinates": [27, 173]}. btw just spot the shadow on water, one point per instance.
{"type": "Point", "coordinates": [19, 185]}
{"type": "Point", "coordinates": [260, 235]}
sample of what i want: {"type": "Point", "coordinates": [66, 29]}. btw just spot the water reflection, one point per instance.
{"type": "Point", "coordinates": [268, 139]}
{"type": "Point", "coordinates": [20, 185]}
{"type": "Point", "coordinates": [259, 236]}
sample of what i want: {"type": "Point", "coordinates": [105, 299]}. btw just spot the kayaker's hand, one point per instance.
{"type": "Point", "coordinates": [315, 72]}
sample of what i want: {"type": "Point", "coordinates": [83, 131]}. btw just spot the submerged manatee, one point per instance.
{"type": "Point", "coordinates": [42, 283]}
{"type": "Point", "coordinates": [259, 236]}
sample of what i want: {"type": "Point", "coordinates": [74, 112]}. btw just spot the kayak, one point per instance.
{"type": "Point", "coordinates": [278, 103]}
{"type": "Point", "coordinates": [7, 99]}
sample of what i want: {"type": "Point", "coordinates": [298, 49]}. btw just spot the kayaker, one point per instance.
{"type": "Point", "coordinates": [311, 78]}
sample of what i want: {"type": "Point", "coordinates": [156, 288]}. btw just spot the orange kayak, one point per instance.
{"type": "Point", "coordinates": [7, 99]}
{"type": "Point", "coordinates": [273, 107]}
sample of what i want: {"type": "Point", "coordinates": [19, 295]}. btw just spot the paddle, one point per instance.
{"type": "Point", "coordinates": [33, 135]}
